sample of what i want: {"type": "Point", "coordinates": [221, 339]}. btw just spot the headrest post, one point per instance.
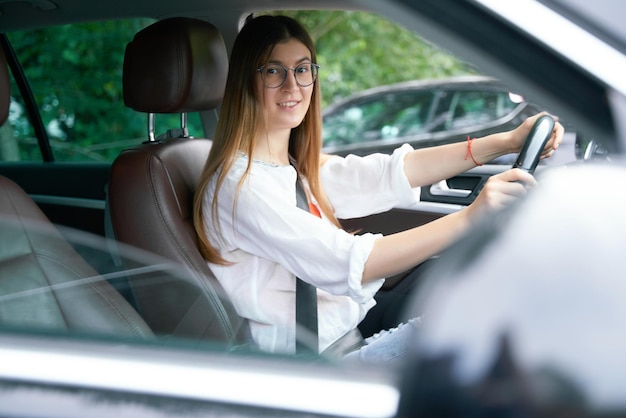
{"type": "Point", "coordinates": [151, 129]}
{"type": "Point", "coordinates": [183, 124]}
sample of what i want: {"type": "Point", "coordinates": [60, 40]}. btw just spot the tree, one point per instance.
{"type": "Point", "coordinates": [358, 50]}
{"type": "Point", "coordinates": [75, 72]}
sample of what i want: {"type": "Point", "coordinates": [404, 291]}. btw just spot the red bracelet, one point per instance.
{"type": "Point", "coordinates": [469, 151]}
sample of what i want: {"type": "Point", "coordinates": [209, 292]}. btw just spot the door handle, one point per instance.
{"type": "Point", "coordinates": [442, 189]}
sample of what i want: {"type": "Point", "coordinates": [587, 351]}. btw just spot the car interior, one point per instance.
{"type": "Point", "coordinates": [67, 293]}
{"type": "Point", "coordinates": [150, 195]}
{"type": "Point", "coordinates": [148, 190]}
{"type": "Point", "coordinates": [175, 66]}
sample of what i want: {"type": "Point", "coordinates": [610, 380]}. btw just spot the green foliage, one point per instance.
{"type": "Point", "coordinates": [358, 50]}
{"type": "Point", "coordinates": [75, 72]}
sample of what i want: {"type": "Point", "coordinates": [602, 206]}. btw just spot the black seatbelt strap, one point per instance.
{"type": "Point", "coordinates": [306, 298]}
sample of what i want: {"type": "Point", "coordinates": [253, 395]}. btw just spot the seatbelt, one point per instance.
{"type": "Point", "coordinates": [306, 298]}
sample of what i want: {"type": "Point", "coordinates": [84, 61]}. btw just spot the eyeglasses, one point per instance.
{"type": "Point", "coordinates": [274, 75]}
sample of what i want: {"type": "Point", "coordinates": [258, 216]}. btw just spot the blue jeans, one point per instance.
{"type": "Point", "coordinates": [387, 346]}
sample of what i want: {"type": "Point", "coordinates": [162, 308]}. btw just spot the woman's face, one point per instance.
{"type": "Point", "coordinates": [286, 106]}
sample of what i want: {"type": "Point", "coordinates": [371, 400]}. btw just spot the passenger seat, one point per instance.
{"type": "Point", "coordinates": [46, 284]}
{"type": "Point", "coordinates": [176, 65]}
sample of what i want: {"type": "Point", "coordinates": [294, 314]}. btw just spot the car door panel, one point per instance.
{"type": "Point", "coordinates": [432, 204]}
{"type": "Point", "coordinates": [461, 189]}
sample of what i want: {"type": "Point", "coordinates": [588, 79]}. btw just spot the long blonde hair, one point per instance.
{"type": "Point", "coordinates": [241, 117]}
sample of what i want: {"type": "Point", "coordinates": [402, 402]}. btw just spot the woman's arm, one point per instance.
{"type": "Point", "coordinates": [359, 186]}
{"type": "Point", "coordinates": [393, 254]}
{"type": "Point", "coordinates": [431, 165]}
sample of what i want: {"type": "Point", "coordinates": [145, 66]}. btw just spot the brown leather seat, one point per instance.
{"type": "Point", "coordinates": [44, 282]}
{"type": "Point", "coordinates": [176, 65]}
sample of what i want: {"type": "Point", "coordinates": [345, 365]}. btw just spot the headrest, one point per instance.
{"type": "Point", "coordinates": [176, 65]}
{"type": "Point", "coordinates": [5, 88]}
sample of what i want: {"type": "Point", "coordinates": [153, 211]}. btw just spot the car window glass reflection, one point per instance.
{"type": "Point", "coordinates": [61, 281]}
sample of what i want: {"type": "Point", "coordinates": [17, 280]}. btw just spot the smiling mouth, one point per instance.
{"type": "Point", "coordinates": [288, 104]}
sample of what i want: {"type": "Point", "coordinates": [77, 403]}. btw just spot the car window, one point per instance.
{"type": "Point", "coordinates": [467, 109]}
{"type": "Point", "coordinates": [441, 115]}
{"type": "Point", "coordinates": [413, 117]}
{"type": "Point", "coordinates": [388, 115]}
{"type": "Point", "coordinates": [78, 93]}
{"type": "Point", "coordinates": [476, 107]}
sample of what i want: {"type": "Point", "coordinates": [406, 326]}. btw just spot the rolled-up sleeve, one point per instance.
{"type": "Point", "coordinates": [269, 225]}
{"type": "Point", "coordinates": [360, 186]}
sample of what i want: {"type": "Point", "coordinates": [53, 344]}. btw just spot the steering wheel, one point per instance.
{"type": "Point", "coordinates": [539, 134]}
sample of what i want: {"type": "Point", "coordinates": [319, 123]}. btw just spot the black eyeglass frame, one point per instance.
{"type": "Point", "coordinates": [314, 69]}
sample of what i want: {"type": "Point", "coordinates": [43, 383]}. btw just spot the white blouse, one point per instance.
{"type": "Point", "coordinates": [271, 241]}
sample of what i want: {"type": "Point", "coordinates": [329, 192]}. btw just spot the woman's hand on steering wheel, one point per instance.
{"type": "Point", "coordinates": [503, 189]}
{"type": "Point", "coordinates": [520, 134]}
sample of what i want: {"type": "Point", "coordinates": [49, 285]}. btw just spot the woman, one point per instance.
{"type": "Point", "coordinates": [257, 240]}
